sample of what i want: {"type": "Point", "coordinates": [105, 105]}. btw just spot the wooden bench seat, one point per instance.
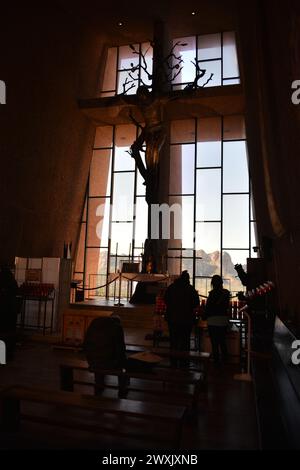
{"type": "Point", "coordinates": [164, 376]}
{"type": "Point", "coordinates": [200, 359]}
{"type": "Point", "coordinates": [13, 396]}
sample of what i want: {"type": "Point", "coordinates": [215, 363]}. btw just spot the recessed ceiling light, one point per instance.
{"type": "Point", "coordinates": [193, 13]}
{"type": "Point", "coordinates": [120, 23]}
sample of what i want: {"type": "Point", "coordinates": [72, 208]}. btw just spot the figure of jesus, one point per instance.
{"type": "Point", "coordinates": [153, 136]}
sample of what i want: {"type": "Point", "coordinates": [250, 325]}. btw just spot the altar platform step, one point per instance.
{"type": "Point", "coordinates": [78, 316]}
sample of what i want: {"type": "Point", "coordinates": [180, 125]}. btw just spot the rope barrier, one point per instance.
{"type": "Point", "coordinates": [114, 280]}
{"type": "Point", "coordinates": [99, 287]}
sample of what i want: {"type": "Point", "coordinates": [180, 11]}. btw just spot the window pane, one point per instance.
{"type": "Point", "coordinates": [103, 137]}
{"type": "Point", "coordinates": [231, 81]}
{"type": "Point", "coordinates": [183, 131]}
{"type": "Point", "coordinates": [110, 74]}
{"type": "Point", "coordinates": [208, 195]}
{"type": "Point", "coordinates": [123, 160]}
{"type": "Point", "coordinates": [235, 167]}
{"type": "Point", "coordinates": [208, 243]}
{"type": "Point", "coordinates": [123, 197]}
{"type": "Point", "coordinates": [126, 84]}
{"type": "Point", "coordinates": [209, 129]}
{"type": "Point", "coordinates": [121, 238]}
{"type": "Point", "coordinates": [183, 221]}
{"type": "Point", "coordinates": [148, 54]}
{"type": "Point", "coordinates": [98, 222]}
{"type": "Point", "coordinates": [234, 127]}
{"type": "Point", "coordinates": [140, 187]}
{"type": "Point", "coordinates": [127, 57]}
{"type": "Point", "coordinates": [254, 254]}
{"type": "Point", "coordinates": [186, 49]}
{"type": "Point", "coordinates": [230, 258]}
{"type": "Point", "coordinates": [96, 267]}
{"type": "Point", "coordinates": [209, 265]}
{"type": "Point", "coordinates": [209, 46]}
{"type": "Point", "coordinates": [125, 135]}
{"type": "Point", "coordinates": [100, 173]}
{"type": "Point", "coordinates": [208, 238]}
{"type": "Point", "coordinates": [182, 165]}
{"type": "Point", "coordinates": [178, 260]}
{"type": "Point", "coordinates": [187, 222]}
{"type": "Point", "coordinates": [203, 286]}
{"type": "Point", "coordinates": [92, 263]}
{"type": "Point", "coordinates": [230, 60]}
{"type": "Point", "coordinates": [187, 265]}
{"type": "Point", "coordinates": [213, 72]}
{"type": "Point", "coordinates": [209, 142]}
{"type": "Point", "coordinates": [236, 221]}
{"type": "Point", "coordinates": [209, 154]}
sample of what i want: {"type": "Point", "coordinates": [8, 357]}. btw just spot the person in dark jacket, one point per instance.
{"type": "Point", "coordinates": [104, 347]}
{"type": "Point", "coordinates": [181, 300]}
{"type": "Point", "coordinates": [8, 310]}
{"type": "Point", "coordinates": [216, 314]}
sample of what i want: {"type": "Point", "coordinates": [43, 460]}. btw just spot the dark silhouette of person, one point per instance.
{"type": "Point", "coordinates": [181, 300]}
{"type": "Point", "coordinates": [216, 313]}
{"type": "Point", "coordinates": [8, 310]}
{"type": "Point", "coordinates": [104, 347]}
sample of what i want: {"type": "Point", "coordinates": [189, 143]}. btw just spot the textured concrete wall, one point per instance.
{"type": "Point", "coordinates": [47, 60]}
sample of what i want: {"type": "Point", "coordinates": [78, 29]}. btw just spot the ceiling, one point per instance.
{"type": "Point", "coordinates": [137, 17]}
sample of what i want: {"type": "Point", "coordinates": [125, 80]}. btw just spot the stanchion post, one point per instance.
{"type": "Point", "coordinates": [246, 376]}
{"type": "Point", "coordinates": [119, 302]}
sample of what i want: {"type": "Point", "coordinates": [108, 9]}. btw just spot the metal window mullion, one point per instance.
{"type": "Point", "coordinates": [197, 58]}
{"type": "Point", "coordinates": [195, 190]}
{"type": "Point", "coordinates": [101, 148]}
{"type": "Point", "coordinates": [215, 59]}
{"type": "Point", "coordinates": [250, 195]}
{"type": "Point", "coordinates": [117, 71]}
{"type": "Point", "coordinates": [140, 62]}
{"type": "Point", "coordinates": [110, 207]}
{"type": "Point", "coordinates": [86, 229]}
{"type": "Point", "coordinates": [222, 58]}
{"type": "Point", "coordinates": [134, 204]}
{"type": "Point", "coordinates": [222, 199]}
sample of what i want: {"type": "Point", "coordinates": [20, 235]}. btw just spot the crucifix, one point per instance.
{"type": "Point", "coordinates": [152, 136]}
{"type": "Point", "coordinates": [146, 110]}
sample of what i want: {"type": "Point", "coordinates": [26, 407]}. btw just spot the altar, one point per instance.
{"type": "Point", "coordinates": [147, 288]}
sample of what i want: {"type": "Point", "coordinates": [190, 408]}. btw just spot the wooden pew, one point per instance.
{"type": "Point", "coordinates": [13, 396]}
{"type": "Point", "coordinates": [158, 375]}
{"type": "Point", "coordinates": [200, 359]}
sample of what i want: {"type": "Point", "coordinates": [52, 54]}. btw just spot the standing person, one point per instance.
{"type": "Point", "coordinates": [181, 299]}
{"type": "Point", "coordinates": [8, 310]}
{"type": "Point", "coordinates": [216, 314]}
